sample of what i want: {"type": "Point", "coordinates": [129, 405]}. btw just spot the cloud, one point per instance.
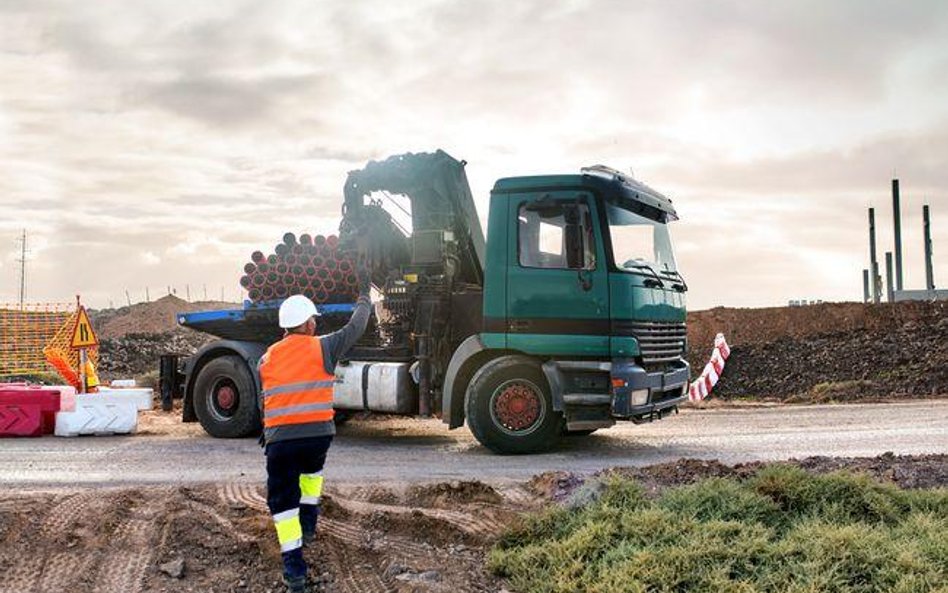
{"type": "Point", "coordinates": [193, 133]}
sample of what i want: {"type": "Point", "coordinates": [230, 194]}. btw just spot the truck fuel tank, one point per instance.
{"type": "Point", "coordinates": [375, 386]}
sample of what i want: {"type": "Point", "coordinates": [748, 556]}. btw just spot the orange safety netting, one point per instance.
{"type": "Point", "coordinates": [65, 359]}
{"type": "Point", "coordinates": [35, 339]}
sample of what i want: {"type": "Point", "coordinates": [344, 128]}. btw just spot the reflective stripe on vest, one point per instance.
{"type": "Point", "coordinates": [296, 387]}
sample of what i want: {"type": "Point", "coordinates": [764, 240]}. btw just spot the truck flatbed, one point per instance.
{"type": "Point", "coordinates": [257, 322]}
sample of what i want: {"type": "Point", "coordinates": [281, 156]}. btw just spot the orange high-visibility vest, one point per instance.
{"type": "Point", "coordinates": [296, 387]}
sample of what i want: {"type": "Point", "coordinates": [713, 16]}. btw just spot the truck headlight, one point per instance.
{"type": "Point", "coordinates": [639, 397]}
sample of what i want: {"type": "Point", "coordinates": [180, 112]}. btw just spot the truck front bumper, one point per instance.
{"type": "Point", "coordinates": [642, 395]}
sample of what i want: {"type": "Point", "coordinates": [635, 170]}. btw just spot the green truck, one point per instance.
{"type": "Point", "coordinates": [568, 316]}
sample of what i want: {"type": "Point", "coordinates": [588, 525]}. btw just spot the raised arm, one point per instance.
{"type": "Point", "coordinates": [336, 344]}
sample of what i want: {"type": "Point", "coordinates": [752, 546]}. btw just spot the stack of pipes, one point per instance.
{"type": "Point", "coordinates": [308, 265]}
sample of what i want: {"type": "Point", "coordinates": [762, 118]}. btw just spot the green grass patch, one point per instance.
{"type": "Point", "coordinates": [781, 531]}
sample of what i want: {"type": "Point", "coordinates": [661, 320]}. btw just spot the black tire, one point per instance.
{"type": "Point", "coordinates": [342, 416]}
{"type": "Point", "coordinates": [506, 431]}
{"type": "Point", "coordinates": [222, 414]}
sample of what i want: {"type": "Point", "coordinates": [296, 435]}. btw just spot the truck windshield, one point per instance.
{"type": "Point", "coordinates": [640, 243]}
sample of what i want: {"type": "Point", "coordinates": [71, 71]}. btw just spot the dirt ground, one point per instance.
{"type": "Point", "coordinates": [424, 538]}
{"type": "Point", "coordinates": [218, 538]}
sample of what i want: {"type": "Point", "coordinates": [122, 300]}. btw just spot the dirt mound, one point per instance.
{"type": "Point", "coordinates": [555, 485]}
{"type": "Point", "coordinates": [447, 494]}
{"type": "Point", "coordinates": [156, 317]}
{"type": "Point", "coordinates": [829, 352]}
{"type": "Point", "coordinates": [134, 355]}
{"type": "Point", "coordinates": [906, 471]}
{"type": "Point", "coordinates": [763, 326]}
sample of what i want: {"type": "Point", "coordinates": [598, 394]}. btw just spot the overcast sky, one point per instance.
{"type": "Point", "coordinates": [159, 143]}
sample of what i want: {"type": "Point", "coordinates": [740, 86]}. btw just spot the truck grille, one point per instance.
{"type": "Point", "coordinates": [658, 341]}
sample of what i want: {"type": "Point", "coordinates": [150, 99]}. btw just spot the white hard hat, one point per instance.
{"type": "Point", "coordinates": [295, 310]}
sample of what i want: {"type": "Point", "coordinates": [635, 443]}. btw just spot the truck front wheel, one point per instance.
{"type": "Point", "coordinates": [509, 408]}
{"type": "Point", "coordinates": [225, 398]}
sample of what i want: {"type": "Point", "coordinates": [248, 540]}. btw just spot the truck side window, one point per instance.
{"type": "Point", "coordinates": [556, 236]}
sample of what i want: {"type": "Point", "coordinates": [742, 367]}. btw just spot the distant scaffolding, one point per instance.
{"type": "Point", "coordinates": [33, 334]}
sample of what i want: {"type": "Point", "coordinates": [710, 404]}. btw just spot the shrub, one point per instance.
{"type": "Point", "coordinates": [782, 531]}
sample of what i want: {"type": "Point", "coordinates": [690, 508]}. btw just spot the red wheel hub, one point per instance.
{"type": "Point", "coordinates": [517, 406]}
{"type": "Point", "coordinates": [226, 397]}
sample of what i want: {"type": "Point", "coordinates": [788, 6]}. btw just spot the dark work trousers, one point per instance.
{"type": "Point", "coordinates": [286, 462]}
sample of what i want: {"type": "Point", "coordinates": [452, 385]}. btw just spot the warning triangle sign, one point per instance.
{"type": "Point", "coordinates": [83, 335]}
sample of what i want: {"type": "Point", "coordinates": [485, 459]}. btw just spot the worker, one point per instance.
{"type": "Point", "coordinates": [92, 378]}
{"type": "Point", "coordinates": [296, 374]}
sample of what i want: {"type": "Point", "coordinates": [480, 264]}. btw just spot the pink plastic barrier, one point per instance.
{"type": "Point", "coordinates": [27, 410]}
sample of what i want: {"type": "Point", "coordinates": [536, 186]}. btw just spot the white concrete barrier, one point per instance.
{"type": "Point", "coordinates": [142, 396]}
{"type": "Point", "coordinates": [110, 411]}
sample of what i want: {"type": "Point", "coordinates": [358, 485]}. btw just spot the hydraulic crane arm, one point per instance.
{"type": "Point", "coordinates": [441, 202]}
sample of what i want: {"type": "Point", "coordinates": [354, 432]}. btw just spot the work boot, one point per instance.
{"type": "Point", "coordinates": [296, 584]}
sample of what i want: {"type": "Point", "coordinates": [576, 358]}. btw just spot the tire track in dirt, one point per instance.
{"type": "Point", "coordinates": [348, 534]}
{"type": "Point", "coordinates": [378, 494]}
{"type": "Point", "coordinates": [67, 510]}
{"type": "Point", "coordinates": [480, 526]}
{"type": "Point", "coordinates": [355, 577]}
{"type": "Point", "coordinates": [224, 522]}
{"type": "Point", "coordinates": [238, 494]}
{"type": "Point", "coordinates": [66, 570]}
{"type": "Point", "coordinates": [403, 549]}
{"type": "Point", "coordinates": [20, 577]}
{"type": "Point", "coordinates": [57, 520]}
{"type": "Point", "coordinates": [369, 544]}
{"type": "Point", "coordinates": [132, 549]}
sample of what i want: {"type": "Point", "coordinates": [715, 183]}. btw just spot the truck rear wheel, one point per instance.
{"type": "Point", "coordinates": [225, 398]}
{"type": "Point", "coordinates": [509, 408]}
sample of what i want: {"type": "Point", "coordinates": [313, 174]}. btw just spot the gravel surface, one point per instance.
{"type": "Point", "coordinates": [398, 450]}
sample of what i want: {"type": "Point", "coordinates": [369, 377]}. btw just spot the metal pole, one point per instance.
{"type": "Point", "coordinates": [873, 262]}
{"type": "Point", "coordinates": [82, 370]}
{"type": "Point", "coordinates": [929, 270]}
{"type": "Point", "coordinates": [865, 286]}
{"type": "Point", "coordinates": [22, 269]}
{"type": "Point", "coordinates": [897, 224]}
{"type": "Point", "coordinates": [889, 289]}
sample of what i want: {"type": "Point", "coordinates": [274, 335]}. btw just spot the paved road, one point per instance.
{"type": "Point", "coordinates": [397, 450]}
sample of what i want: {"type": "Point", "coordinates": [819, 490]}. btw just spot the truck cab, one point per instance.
{"type": "Point", "coordinates": [583, 300]}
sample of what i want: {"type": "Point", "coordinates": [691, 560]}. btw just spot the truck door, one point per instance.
{"type": "Point", "coordinates": [557, 282]}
